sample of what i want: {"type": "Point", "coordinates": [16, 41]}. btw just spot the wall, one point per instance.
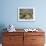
{"type": "Point", "coordinates": [9, 13]}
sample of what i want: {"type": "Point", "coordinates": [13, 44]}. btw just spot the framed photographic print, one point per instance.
{"type": "Point", "coordinates": [26, 14]}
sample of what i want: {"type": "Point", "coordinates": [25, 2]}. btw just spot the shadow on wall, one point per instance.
{"type": "Point", "coordinates": [2, 26]}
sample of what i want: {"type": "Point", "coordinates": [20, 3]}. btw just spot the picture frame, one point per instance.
{"type": "Point", "coordinates": [26, 14]}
